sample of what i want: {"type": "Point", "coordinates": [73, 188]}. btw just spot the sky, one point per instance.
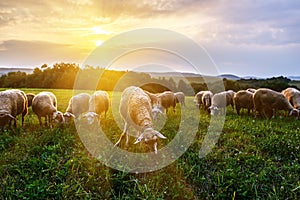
{"type": "Point", "coordinates": [242, 37]}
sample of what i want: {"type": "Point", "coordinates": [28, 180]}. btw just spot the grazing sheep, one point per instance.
{"type": "Point", "coordinates": [206, 99]}
{"type": "Point", "coordinates": [220, 101]}
{"type": "Point", "coordinates": [293, 96]}
{"type": "Point", "coordinates": [44, 105]}
{"type": "Point", "coordinates": [167, 100]}
{"type": "Point", "coordinates": [78, 104]}
{"type": "Point", "coordinates": [98, 103]}
{"type": "Point", "coordinates": [267, 102]}
{"type": "Point", "coordinates": [8, 108]}
{"type": "Point", "coordinates": [243, 99]}
{"type": "Point", "coordinates": [180, 98]}
{"type": "Point", "coordinates": [198, 99]}
{"type": "Point", "coordinates": [135, 109]}
{"type": "Point", "coordinates": [30, 97]}
{"type": "Point", "coordinates": [22, 104]}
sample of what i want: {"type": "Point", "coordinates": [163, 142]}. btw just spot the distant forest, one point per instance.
{"type": "Point", "coordinates": [63, 76]}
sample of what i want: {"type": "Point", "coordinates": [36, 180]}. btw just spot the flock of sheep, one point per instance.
{"type": "Point", "coordinates": [262, 101]}
{"type": "Point", "coordinates": [139, 108]}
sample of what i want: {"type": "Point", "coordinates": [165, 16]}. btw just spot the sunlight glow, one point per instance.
{"type": "Point", "coordinates": [100, 31]}
{"type": "Point", "coordinates": [98, 43]}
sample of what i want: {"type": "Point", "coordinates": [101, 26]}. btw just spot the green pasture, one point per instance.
{"type": "Point", "coordinates": [252, 159]}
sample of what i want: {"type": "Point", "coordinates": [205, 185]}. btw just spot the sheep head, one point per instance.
{"type": "Point", "coordinates": [213, 110]}
{"type": "Point", "coordinates": [155, 112]}
{"type": "Point", "coordinates": [68, 116]}
{"type": "Point", "coordinates": [5, 118]}
{"type": "Point", "coordinates": [150, 136]}
{"type": "Point", "coordinates": [58, 117]}
{"type": "Point", "coordinates": [294, 112]}
{"type": "Point", "coordinates": [91, 117]}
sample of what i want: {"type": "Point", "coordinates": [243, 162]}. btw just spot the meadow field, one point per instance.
{"type": "Point", "coordinates": [253, 159]}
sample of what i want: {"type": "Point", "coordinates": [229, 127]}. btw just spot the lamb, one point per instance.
{"type": "Point", "coordinates": [267, 102]}
{"type": "Point", "coordinates": [44, 104]}
{"type": "Point", "coordinates": [220, 101]}
{"type": "Point", "coordinates": [78, 104]}
{"type": "Point", "coordinates": [180, 98]}
{"type": "Point", "coordinates": [135, 109]}
{"type": "Point", "coordinates": [206, 99]}
{"type": "Point", "coordinates": [293, 96]}
{"type": "Point", "coordinates": [98, 103]}
{"type": "Point", "coordinates": [30, 97]}
{"type": "Point", "coordinates": [243, 99]}
{"type": "Point", "coordinates": [156, 104]}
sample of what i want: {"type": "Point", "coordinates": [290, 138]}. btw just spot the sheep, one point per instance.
{"type": "Point", "coordinates": [267, 102]}
{"type": "Point", "coordinates": [22, 104]}
{"type": "Point", "coordinates": [30, 97]}
{"type": "Point", "coordinates": [15, 106]}
{"type": "Point", "coordinates": [98, 103]}
{"type": "Point", "coordinates": [135, 109]}
{"type": "Point", "coordinates": [44, 104]}
{"type": "Point", "coordinates": [180, 98]}
{"type": "Point", "coordinates": [167, 100]}
{"type": "Point", "coordinates": [293, 96]}
{"type": "Point", "coordinates": [220, 101]}
{"type": "Point", "coordinates": [243, 99]}
{"type": "Point", "coordinates": [206, 99]}
{"type": "Point", "coordinates": [8, 108]}
{"type": "Point", "coordinates": [198, 99]}
{"type": "Point", "coordinates": [78, 104]}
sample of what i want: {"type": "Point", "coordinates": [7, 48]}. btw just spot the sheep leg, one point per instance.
{"type": "Point", "coordinates": [40, 121]}
{"type": "Point", "coordinates": [122, 135]}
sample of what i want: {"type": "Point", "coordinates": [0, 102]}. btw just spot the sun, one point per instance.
{"type": "Point", "coordinates": [98, 43]}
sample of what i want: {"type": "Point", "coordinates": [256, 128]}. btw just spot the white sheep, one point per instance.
{"type": "Point", "coordinates": [293, 96]}
{"type": "Point", "coordinates": [8, 108]}
{"type": "Point", "coordinates": [78, 104]}
{"type": "Point", "coordinates": [220, 101]}
{"type": "Point", "coordinates": [206, 99]}
{"type": "Point", "coordinates": [44, 104]}
{"type": "Point", "coordinates": [98, 103]}
{"type": "Point", "coordinates": [135, 109]}
{"type": "Point", "coordinates": [267, 102]}
{"type": "Point", "coordinates": [243, 99]}
{"type": "Point", "coordinates": [180, 98]}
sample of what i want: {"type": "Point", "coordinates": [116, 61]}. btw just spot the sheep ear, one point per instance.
{"type": "Point", "coordinates": [11, 116]}
{"type": "Point", "coordinates": [139, 139]}
{"type": "Point", "coordinates": [158, 134]}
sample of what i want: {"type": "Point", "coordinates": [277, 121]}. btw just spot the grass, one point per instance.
{"type": "Point", "coordinates": [253, 159]}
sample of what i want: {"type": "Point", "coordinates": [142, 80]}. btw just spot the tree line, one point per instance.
{"type": "Point", "coordinates": [64, 75]}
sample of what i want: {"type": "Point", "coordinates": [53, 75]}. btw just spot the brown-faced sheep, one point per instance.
{"type": "Point", "coordinates": [220, 101]}
{"type": "Point", "coordinates": [243, 99]}
{"type": "Point", "coordinates": [98, 103]}
{"type": "Point", "coordinates": [78, 104]}
{"type": "Point", "coordinates": [30, 97]}
{"type": "Point", "coordinates": [167, 100]}
{"type": "Point", "coordinates": [135, 109]}
{"type": "Point", "coordinates": [267, 102]}
{"type": "Point", "coordinates": [198, 99]}
{"type": "Point", "coordinates": [206, 99]}
{"type": "Point", "coordinates": [293, 96]}
{"type": "Point", "coordinates": [44, 105]}
{"type": "Point", "coordinates": [180, 98]}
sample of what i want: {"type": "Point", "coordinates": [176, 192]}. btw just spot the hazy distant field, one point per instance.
{"type": "Point", "coordinates": [253, 159]}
